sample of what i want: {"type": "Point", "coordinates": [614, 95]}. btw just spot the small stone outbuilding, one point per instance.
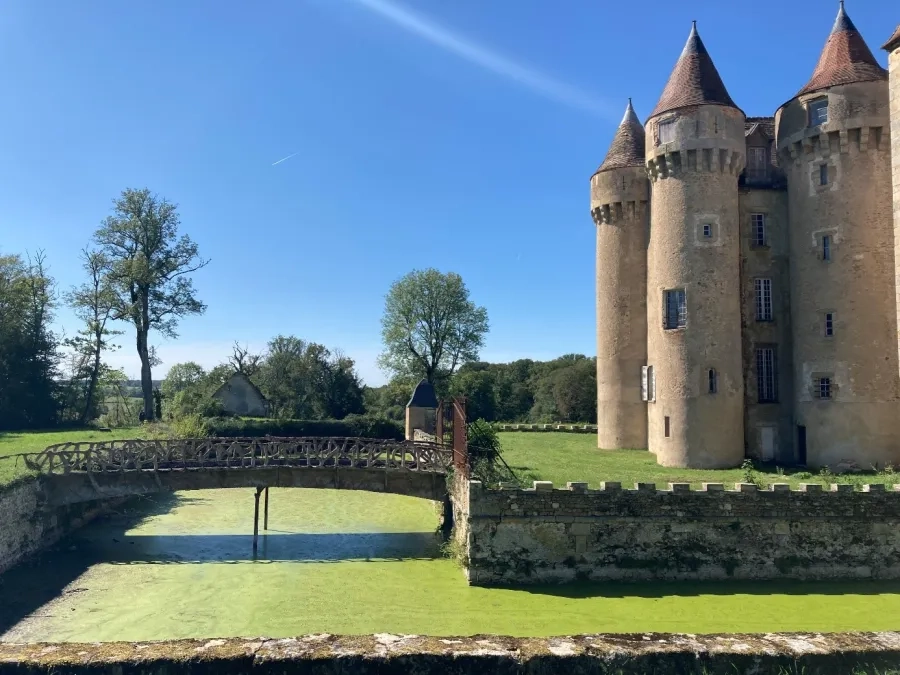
{"type": "Point", "coordinates": [421, 411]}
{"type": "Point", "coordinates": [239, 396]}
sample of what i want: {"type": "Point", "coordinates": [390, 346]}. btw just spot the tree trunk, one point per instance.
{"type": "Point", "coordinates": [92, 385]}
{"type": "Point", "coordinates": [146, 376]}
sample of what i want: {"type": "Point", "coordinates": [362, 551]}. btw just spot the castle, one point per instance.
{"type": "Point", "coordinates": [747, 277]}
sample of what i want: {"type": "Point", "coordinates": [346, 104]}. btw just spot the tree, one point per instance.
{"type": "Point", "coordinates": [93, 302]}
{"type": "Point", "coordinates": [243, 361]}
{"type": "Point", "coordinates": [182, 376]}
{"type": "Point", "coordinates": [429, 326]}
{"type": "Point", "coordinates": [148, 268]}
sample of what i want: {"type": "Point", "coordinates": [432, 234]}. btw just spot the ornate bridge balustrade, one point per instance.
{"type": "Point", "coordinates": [73, 472]}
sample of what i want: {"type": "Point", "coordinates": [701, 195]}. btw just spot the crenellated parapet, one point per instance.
{"type": "Point", "coordinates": [620, 212]}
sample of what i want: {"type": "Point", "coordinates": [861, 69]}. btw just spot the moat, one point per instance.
{"type": "Point", "coordinates": [180, 566]}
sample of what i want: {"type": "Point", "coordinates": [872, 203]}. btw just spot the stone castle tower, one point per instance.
{"type": "Point", "coordinates": [748, 291]}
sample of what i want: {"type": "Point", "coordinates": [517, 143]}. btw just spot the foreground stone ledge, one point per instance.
{"type": "Point", "coordinates": [658, 653]}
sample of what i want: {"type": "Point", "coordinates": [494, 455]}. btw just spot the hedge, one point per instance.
{"type": "Point", "coordinates": [353, 425]}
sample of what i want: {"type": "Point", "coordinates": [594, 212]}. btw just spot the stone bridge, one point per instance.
{"type": "Point", "coordinates": [79, 472]}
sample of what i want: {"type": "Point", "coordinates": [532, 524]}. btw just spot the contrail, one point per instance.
{"type": "Point", "coordinates": [284, 159]}
{"type": "Point", "coordinates": [487, 59]}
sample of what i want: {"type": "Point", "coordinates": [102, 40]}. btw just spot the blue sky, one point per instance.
{"type": "Point", "coordinates": [459, 135]}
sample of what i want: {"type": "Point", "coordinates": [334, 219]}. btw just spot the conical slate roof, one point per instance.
{"type": "Point", "coordinates": [423, 396]}
{"type": "Point", "coordinates": [845, 59]}
{"type": "Point", "coordinates": [627, 147]}
{"type": "Point", "coordinates": [893, 41]}
{"type": "Point", "coordinates": [695, 80]}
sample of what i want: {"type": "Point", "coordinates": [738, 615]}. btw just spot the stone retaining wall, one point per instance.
{"type": "Point", "coordinates": [26, 526]}
{"type": "Point", "coordinates": [569, 428]}
{"type": "Point", "coordinates": [537, 535]}
{"type": "Point", "coordinates": [660, 654]}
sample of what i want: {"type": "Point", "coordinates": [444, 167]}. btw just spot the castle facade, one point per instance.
{"type": "Point", "coordinates": [748, 268]}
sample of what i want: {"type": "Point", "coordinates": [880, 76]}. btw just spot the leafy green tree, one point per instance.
{"type": "Point", "coordinates": [182, 376]}
{"type": "Point", "coordinates": [94, 303]}
{"type": "Point", "coordinates": [148, 268]}
{"type": "Point", "coordinates": [478, 388]}
{"type": "Point", "coordinates": [430, 327]}
{"type": "Point", "coordinates": [29, 394]}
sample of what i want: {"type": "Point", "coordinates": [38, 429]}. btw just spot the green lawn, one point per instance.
{"type": "Point", "coordinates": [561, 457]}
{"type": "Point", "coordinates": [18, 442]}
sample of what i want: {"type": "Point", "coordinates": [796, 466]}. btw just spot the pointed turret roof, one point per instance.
{"type": "Point", "coordinates": [627, 147]}
{"type": "Point", "coordinates": [695, 80]}
{"type": "Point", "coordinates": [845, 59]}
{"type": "Point", "coordinates": [893, 41]}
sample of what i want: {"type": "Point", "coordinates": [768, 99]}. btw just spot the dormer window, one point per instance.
{"type": "Point", "coordinates": [667, 131]}
{"type": "Point", "coordinates": [818, 112]}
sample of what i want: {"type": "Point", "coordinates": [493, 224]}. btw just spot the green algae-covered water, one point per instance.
{"type": "Point", "coordinates": [181, 566]}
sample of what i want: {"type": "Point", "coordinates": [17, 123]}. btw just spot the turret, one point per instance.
{"type": "Point", "coordinates": [619, 206]}
{"type": "Point", "coordinates": [695, 153]}
{"type": "Point", "coordinates": [833, 142]}
{"type": "Point", "coordinates": [892, 47]}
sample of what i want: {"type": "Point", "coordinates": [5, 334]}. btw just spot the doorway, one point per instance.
{"type": "Point", "coordinates": [767, 443]}
{"type": "Point", "coordinates": [801, 445]}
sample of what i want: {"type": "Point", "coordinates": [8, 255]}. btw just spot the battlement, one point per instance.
{"type": "Point", "coordinates": [695, 160]}
{"type": "Point", "coordinates": [618, 212]}
{"type": "Point", "coordinates": [815, 143]}
{"type": "Point", "coordinates": [742, 488]}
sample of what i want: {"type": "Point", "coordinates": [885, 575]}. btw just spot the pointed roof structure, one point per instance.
{"type": "Point", "coordinates": [423, 396]}
{"type": "Point", "coordinates": [845, 59]}
{"type": "Point", "coordinates": [694, 81]}
{"type": "Point", "coordinates": [627, 147]}
{"type": "Point", "coordinates": [893, 41]}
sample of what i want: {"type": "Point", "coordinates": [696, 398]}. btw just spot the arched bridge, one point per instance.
{"type": "Point", "coordinates": [78, 472]}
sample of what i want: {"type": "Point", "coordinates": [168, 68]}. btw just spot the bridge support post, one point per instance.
{"type": "Point", "coordinates": [256, 520]}
{"type": "Point", "coordinates": [266, 512]}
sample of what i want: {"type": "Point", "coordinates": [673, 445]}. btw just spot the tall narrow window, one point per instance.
{"type": "Point", "coordinates": [713, 381]}
{"type": "Point", "coordinates": [825, 388]}
{"type": "Point", "coordinates": [757, 164]}
{"type": "Point", "coordinates": [829, 324]}
{"type": "Point", "coordinates": [826, 247]}
{"type": "Point", "coordinates": [674, 309]}
{"type": "Point", "coordinates": [758, 228]}
{"type": "Point", "coordinates": [823, 174]}
{"type": "Point", "coordinates": [818, 112]}
{"type": "Point", "coordinates": [766, 375]}
{"type": "Point", "coordinates": [763, 299]}
{"type": "Point", "coordinates": [667, 131]}
{"type": "Point", "coordinates": [666, 425]}
{"type": "Point", "coordinates": [648, 384]}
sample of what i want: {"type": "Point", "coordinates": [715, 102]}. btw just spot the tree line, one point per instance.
{"type": "Point", "coordinates": [137, 285]}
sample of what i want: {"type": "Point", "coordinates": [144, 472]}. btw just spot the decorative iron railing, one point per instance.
{"type": "Point", "coordinates": [234, 453]}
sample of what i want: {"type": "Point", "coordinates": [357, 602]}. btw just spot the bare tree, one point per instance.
{"type": "Point", "coordinates": [148, 268]}
{"type": "Point", "coordinates": [243, 361]}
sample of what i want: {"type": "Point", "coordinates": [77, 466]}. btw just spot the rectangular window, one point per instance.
{"type": "Point", "coordinates": [648, 384]}
{"type": "Point", "coordinates": [758, 229]}
{"type": "Point", "coordinates": [829, 324]}
{"type": "Point", "coordinates": [674, 309]}
{"type": "Point", "coordinates": [823, 174]}
{"type": "Point", "coordinates": [825, 388]}
{"type": "Point", "coordinates": [766, 375]}
{"type": "Point", "coordinates": [763, 299]}
{"type": "Point", "coordinates": [667, 131]}
{"type": "Point", "coordinates": [713, 381]}
{"type": "Point", "coordinates": [818, 112]}
{"type": "Point", "coordinates": [707, 231]}
{"type": "Point", "coordinates": [757, 165]}
{"type": "Point", "coordinates": [826, 247]}
{"type": "Point", "coordinates": [666, 424]}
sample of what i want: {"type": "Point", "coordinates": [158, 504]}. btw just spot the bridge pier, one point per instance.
{"type": "Point", "coordinates": [256, 519]}
{"type": "Point", "coordinates": [446, 518]}
{"type": "Point", "coordinates": [266, 511]}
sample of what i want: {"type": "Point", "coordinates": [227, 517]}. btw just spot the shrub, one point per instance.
{"type": "Point", "coordinates": [189, 426]}
{"type": "Point", "coordinates": [359, 426]}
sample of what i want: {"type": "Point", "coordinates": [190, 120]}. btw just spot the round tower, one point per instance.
{"type": "Point", "coordinates": [619, 205]}
{"type": "Point", "coordinates": [695, 153]}
{"type": "Point", "coordinates": [833, 141]}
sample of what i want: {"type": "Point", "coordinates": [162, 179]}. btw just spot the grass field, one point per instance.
{"type": "Point", "coordinates": [18, 442]}
{"type": "Point", "coordinates": [562, 457]}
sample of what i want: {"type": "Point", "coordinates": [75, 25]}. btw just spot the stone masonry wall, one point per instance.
{"type": "Point", "coordinates": [26, 527]}
{"type": "Point", "coordinates": [544, 535]}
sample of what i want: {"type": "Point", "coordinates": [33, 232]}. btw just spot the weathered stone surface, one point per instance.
{"type": "Point", "coordinates": [529, 536]}
{"type": "Point", "coordinates": [26, 527]}
{"type": "Point", "coordinates": [660, 654]}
